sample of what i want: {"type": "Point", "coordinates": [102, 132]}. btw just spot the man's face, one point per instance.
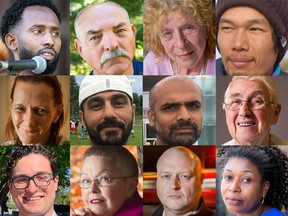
{"type": "Point", "coordinates": [34, 200]}
{"type": "Point", "coordinates": [38, 33]}
{"type": "Point", "coordinates": [108, 117]}
{"type": "Point", "coordinates": [178, 183]}
{"type": "Point", "coordinates": [177, 114]}
{"type": "Point", "coordinates": [106, 40]}
{"type": "Point", "coordinates": [99, 199]}
{"type": "Point", "coordinates": [248, 126]}
{"type": "Point", "coordinates": [183, 39]}
{"type": "Point", "coordinates": [246, 43]}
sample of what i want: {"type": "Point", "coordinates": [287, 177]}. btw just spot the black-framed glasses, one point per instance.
{"type": "Point", "coordinates": [40, 180]}
{"type": "Point", "coordinates": [254, 103]}
{"type": "Point", "coordinates": [101, 181]}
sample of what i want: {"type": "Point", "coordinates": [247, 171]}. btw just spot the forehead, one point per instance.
{"type": "Point", "coordinates": [176, 92]}
{"type": "Point", "coordinates": [99, 163]}
{"type": "Point", "coordinates": [245, 165]}
{"type": "Point", "coordinates": [178, 15]}
{"type": "Point", "coordinates": [246, 87]}
{"type": "Point", "coordinates": [247, 14]}
{"type": "Point", "coordinates": [102, 16]}
{"type": "Point", "coordinates": [31, 164]}
{"type": "Point", "coordinates": [39, 15]}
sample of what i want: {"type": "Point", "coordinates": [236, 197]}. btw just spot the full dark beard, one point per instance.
{"type": "Point", "coordinates": [173, 138]}
{"type": "Point", "coordinates": [112, 138]}
{"type": "Point", "coordinates": [51, 65]}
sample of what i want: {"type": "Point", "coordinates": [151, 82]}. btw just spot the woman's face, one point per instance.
{"type": "Point", "coordinates": [241, 186]}
{"type": "Point", "coordinates": [183, 39]}
{"type": "Point", "coordinates": [33, 111]}
{"type": "Point", "coordinates": [104, 200]}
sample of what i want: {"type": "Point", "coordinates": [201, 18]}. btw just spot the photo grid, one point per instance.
{"type": "Point", "coordinates": [143, 107]}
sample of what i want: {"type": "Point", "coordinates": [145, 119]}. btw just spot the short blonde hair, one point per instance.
{"type": "Point", "coordinates": [156, 10]}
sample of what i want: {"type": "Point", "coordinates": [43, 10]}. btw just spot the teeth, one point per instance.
{"type": "Point", "coordinates": [33, 198]}
{"type": "Point", "coordinates": [47, 54]}
{"type": "Point", "coordinates": [245, 124]}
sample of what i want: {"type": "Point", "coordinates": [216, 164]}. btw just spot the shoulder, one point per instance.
{"type": "Point", "coordinates": [278, 141]}
{"type": "Point", "coordinates": [156, 66]}
{"type": "Point", "coordinates": [158, 211]}
{"type": "Point", "coordinates": [231, 142]}
{"type": "Point", "coordinates": [273, 212]}
{"type": "Point", "coordinates": [137, 67]}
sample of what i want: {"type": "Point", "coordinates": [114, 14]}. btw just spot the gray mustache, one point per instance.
{"type": "Point", "coordinates": [107, 55]}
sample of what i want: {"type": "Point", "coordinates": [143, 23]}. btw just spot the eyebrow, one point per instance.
{"type": "Point", "coordinates": [250, 22]}
{"type": "Point", "coordinates": [253, 94]}
{"type": "Point", "coordinates": [94, 32]}
{"type": "Point", "coordinates": [99, 173]}
{"type": "Point", "coordinates": [44, 26]}
{"type": "Point", "coordinates": [179, 104]}
{"type": "Point", "coordinates": [244, 171]}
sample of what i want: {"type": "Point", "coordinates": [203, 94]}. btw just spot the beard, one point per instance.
{"type": "Point", "coordinates": [51, 65]}
{"type": "Point", "coordinates": [112, 137]}
{"type": "Point", "coordinates": [173, 138]}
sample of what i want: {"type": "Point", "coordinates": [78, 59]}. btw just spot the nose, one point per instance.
{"type": "Point", "coordinates": [240, 41]}
{"type": "Point", "coordinates": [110, 41]}
{"type": "Point", "coordinates": [29, 118]}
{"type": "Point", "coordinates": [183, 114]}
{"type": "Point", "coordinates": [94, 187]}
{"type": "Point", "coordinates": [48, 39]}
{"type": "Point", "coordinates": [180, 40]}
{"type": "Point", "coordinates": [32, 188]}
{"type": "Point", "coordinates": [244, 109]}
{"type": "Point", "coordinates": [109, 111]}
{"type": "Point", "coordinates": [234, 187]}
{"type": "Point", "coordinates": [174, 183]}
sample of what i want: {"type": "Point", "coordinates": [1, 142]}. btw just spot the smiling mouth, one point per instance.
{"type": "Point", "coordinates": [32, 198]}
{"type": "Point", "coordinates": [246, 124]}
{"type": "Point", "coordinates": [96, 201]}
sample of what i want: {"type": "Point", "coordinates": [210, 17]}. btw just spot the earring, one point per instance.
{"type": "Point", "coordinates": [263, 198]}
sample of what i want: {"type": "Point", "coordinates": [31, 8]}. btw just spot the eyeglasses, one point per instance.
{"type": "Point", "coordinates": [101, 181]}
{"type": "Point", "coordinates": [255, 103]}
{"type": "Point", "coordinates": [40, 180]}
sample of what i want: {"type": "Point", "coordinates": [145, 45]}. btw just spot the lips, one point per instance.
{"type": "Point", "coordinates": [185, 55]}
{"type": "Point", "coordinates": [234, 201]}
{"type": "Point", "coordinates": [48, 54]}
{"type": "Point", "coordinates": [246, 124]}
{"type": "Point", "coordinates": [240, 62]}
{"type": "Point", "coordinates": [96, 201]}
{"type": "Point", "coordinates": [176, 197]}
{"type": "Point", "coordinates": [31, 199]}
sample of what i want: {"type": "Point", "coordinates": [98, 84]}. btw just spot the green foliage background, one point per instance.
{"type": "Point", "coordinates": [63, 164]}
{"type": "Point", "coordinates": [134, 8]}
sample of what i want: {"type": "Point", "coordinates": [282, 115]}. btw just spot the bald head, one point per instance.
{"type": "Point", "coordinates": [179, 180]}
{"type": "Point", "coordinates": [175, 83]}
{"type": "Point", "coordinates": [180, 154]}
{"type": "Point", "coordinates": [97, 9]}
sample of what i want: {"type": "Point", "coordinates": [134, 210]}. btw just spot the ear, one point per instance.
{"type": "Point", "coordinates": [11, 41]}
{"type": "Point", "coordinates": [78, 47]}
{"type": "Point", "coordinates": [151, 117]}
{"type": "Point", "coordinates": [56, 180]}
{"type": "Point", "coordinates": [277, 111]}
{"type": "Point", "coordinates": [131, 186]}
{"type": "Point", "coordinates": [58, 112]}
{"type": "Point", "coordinates": [82, 118]}
{"type": "Point", "coordinates": [133, 29]}
{"type": "Point", "coordinates": [265, 188]}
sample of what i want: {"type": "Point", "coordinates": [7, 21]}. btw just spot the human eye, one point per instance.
{"type": "Point", "coordinates": [167, 35]}
{"type": "Point", "coordinates": [42, 177]}
{"type": "Point", "coordinates": [226, 28]}
{"type": "Point", "coordinates": [56, 33]}
{"type": "Point", "coordinates": [96, 105]}
{"type": "Point", "coordinates": [169, 107]}
{"type": "Point", "coordinates": [104, 180]}
{"type": "Point", "coordinates": [41, 111]}
{"type": "Point", "coordinates": [20, 180]}
{"type": "Point", "coordinates": [19, 109]}
{"type": "Point", "coordinates": [247, 180]}
{"type": "Point", "coordinates": [257, 101]}
{"type": "Point", "coordinates": [119, 102]}
{"type": "Point", "coordinates": [227, 177]}
{"type": "Point", "coordinates": [195, 105]}
{"type": "Point", "coordinates": [121, 30]}
{"type": "Point", "coordinates": [85, 182]}
{"type": "Point", "coordinates": [189, 29]}
{"type": "Point", "coordinates": [37, 31]}
{"type": "Point", "coordinates": [165, 177]}
{"type": "Point", "coordinates": [184, 177]}
{"type": "Point", "coordinates": [256, 29]}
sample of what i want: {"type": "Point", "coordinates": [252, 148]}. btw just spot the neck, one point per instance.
{"type": "Point", "coordinates": [258, 212]}
{"type": "Point", "coordinates": [264, 141]}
